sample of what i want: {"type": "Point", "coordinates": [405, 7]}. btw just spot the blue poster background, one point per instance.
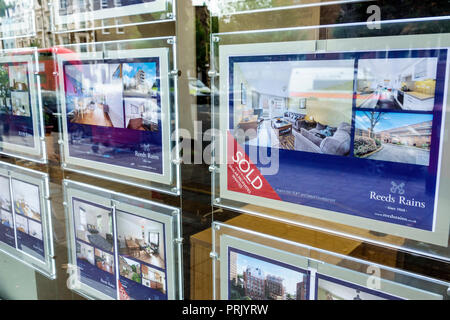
{"type": "Point", "coordinates": [344, 184]}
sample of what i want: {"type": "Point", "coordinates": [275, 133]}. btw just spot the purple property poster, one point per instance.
{"type": "Point", "coordinates": [357, 133]}
{"type": "Point", "coordinates": [114, 115]}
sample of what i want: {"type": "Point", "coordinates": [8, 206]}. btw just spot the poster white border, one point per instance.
{"type": "Point", "coordinates": [79, 191]}
{"type": "Point", "coordinates": [162, 55]}
{"type": "Point", "coordinates": [442, 220]}
{"type": "Point", "coordinates": [47, 265]}
{"type": "Point", "coordinates": [11, 148]}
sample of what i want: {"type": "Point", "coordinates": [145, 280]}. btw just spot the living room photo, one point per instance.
{"type": "Point", "coordinates": [141, 239]}
{"type": "Point", "coordinates": [301, 105]}
{"type": "Point", "coordinates": [93, 225]}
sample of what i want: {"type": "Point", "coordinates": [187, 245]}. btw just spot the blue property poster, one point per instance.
{"type": "Point", "coordinates": [113, 114]}
{"type": "Point", "coordinates": [6, 215]}
{"type": "Point", "coordinates": [15, 105]}
{"type": "Point", "coordinates": [21, 217]}
{"type": "Point", "coordinates": [95, 246]}
{"type": "Point", "coordinates": [134, 267]}
{"type": "Point", "coordinates": [357, 133]}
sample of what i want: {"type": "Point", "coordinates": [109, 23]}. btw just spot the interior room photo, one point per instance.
{"type": "Point", "coordinates": [94, 94]}
{"type": "Point", "coordinates": [397, 83]}
{"type": "Point", "coordinates": [328, 290]}
{"type": "Point", "coordinates": [141, 239]}
{"type": "Point", "coordinates": [104, 261]}
{"type": "Point", "coordinates": [6, 218]}
{"type": "Point", "coordinates": [5, 194]}
{"type": "Point", "coordinates": [27, 200]}
{"type": "Point", "coordinates": [153, 278]}
{"type": "Point", "coordinates": [85, 252]}
{"type": "Point", "coordinates": [295, 105]}
{"type": "Point", "coordinates": [20, 102]}
{"type": "Point", "coordinates": [141, 114]}
{"type": "Point", "coordinates": [35, 229]}
{"type": "Point", "coordinates": [22, 224]}
{"type": "Point", "coordinates": [18, 77]}
{"type": "Point", "coordinates": [94, 225]}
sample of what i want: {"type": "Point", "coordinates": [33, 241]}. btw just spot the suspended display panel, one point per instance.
{"type": "Point", "coordinates": [26, 229]}
{"type": "Point", "coordinates": [252, 266]}
{"type": "Point", "coordinates": [20, 106]}
{"type": "Point", "coordinates": [353, 137]}
{"type": "Point", "coordinates": [17, 20]}
{"type": "Point", "coordinates": [116, 116]}
{"type": "Point", "coordinates": [121, 247]}
{"type": "Point", "coordinates": [232, 7]}
{"type": "Point", "coordinates": [69, 15]}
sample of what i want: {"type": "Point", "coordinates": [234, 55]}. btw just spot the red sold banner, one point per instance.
{"type": "Point", "coordinates": [243, 175]}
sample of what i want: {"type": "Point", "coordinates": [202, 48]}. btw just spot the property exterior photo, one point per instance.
{"type": "Point", "coordinates": [255, 279]}
{"type": "Point", "coordinates": [397, 137]}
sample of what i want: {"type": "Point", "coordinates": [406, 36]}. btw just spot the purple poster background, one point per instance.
{"type": "Point", "coordinates": [113, 112]}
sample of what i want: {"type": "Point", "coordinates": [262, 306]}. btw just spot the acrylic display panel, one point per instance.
{"type": "Point", "coordinates": [20, 106]}
{"type": "Point", "coordinates": [69, 15]}
{"type": "Point", "coordinates": [17, 19]}
{"type": "Point", "coordinates": [247, 267]}
{"type": "Point", "coordinates": [26, 229]}
{"type": "Point", "coordinates": [122, 248]}
{"type": "Point", "coordinates": [230, 7]}
{"type": "Point", "coordinates": [376, 119]}
{"type": "Point", "coordinates": [117, 111]}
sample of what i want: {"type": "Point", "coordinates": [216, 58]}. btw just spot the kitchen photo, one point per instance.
{"type": "Point", "coordinates": [303, 105]}
{"type": "Point", "coordinates": [141, 239]}
{"type": "Point", "coordinates": [93, 225]}
{"type": "Point", "coordinates": [396, 84]}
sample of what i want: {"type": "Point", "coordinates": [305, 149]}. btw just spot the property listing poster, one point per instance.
{"type": "Point", "coordinates": [6, 214]}
{"type": "Point", "coordinates": [251, 271]}
{"type": "Point", "coordinates": [113, 113]}
{"type": "Point", "coordinates": [138, 255]}
{"type": "Point", "coordinates": [16, 116]}
{"type": "Point", "coordinates": [357, 133]}
{"type": "Point", "coordinates": [21, 220]}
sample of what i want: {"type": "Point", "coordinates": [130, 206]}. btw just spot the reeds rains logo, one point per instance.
{"type": "Point", "coordinates": [397, 188]}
